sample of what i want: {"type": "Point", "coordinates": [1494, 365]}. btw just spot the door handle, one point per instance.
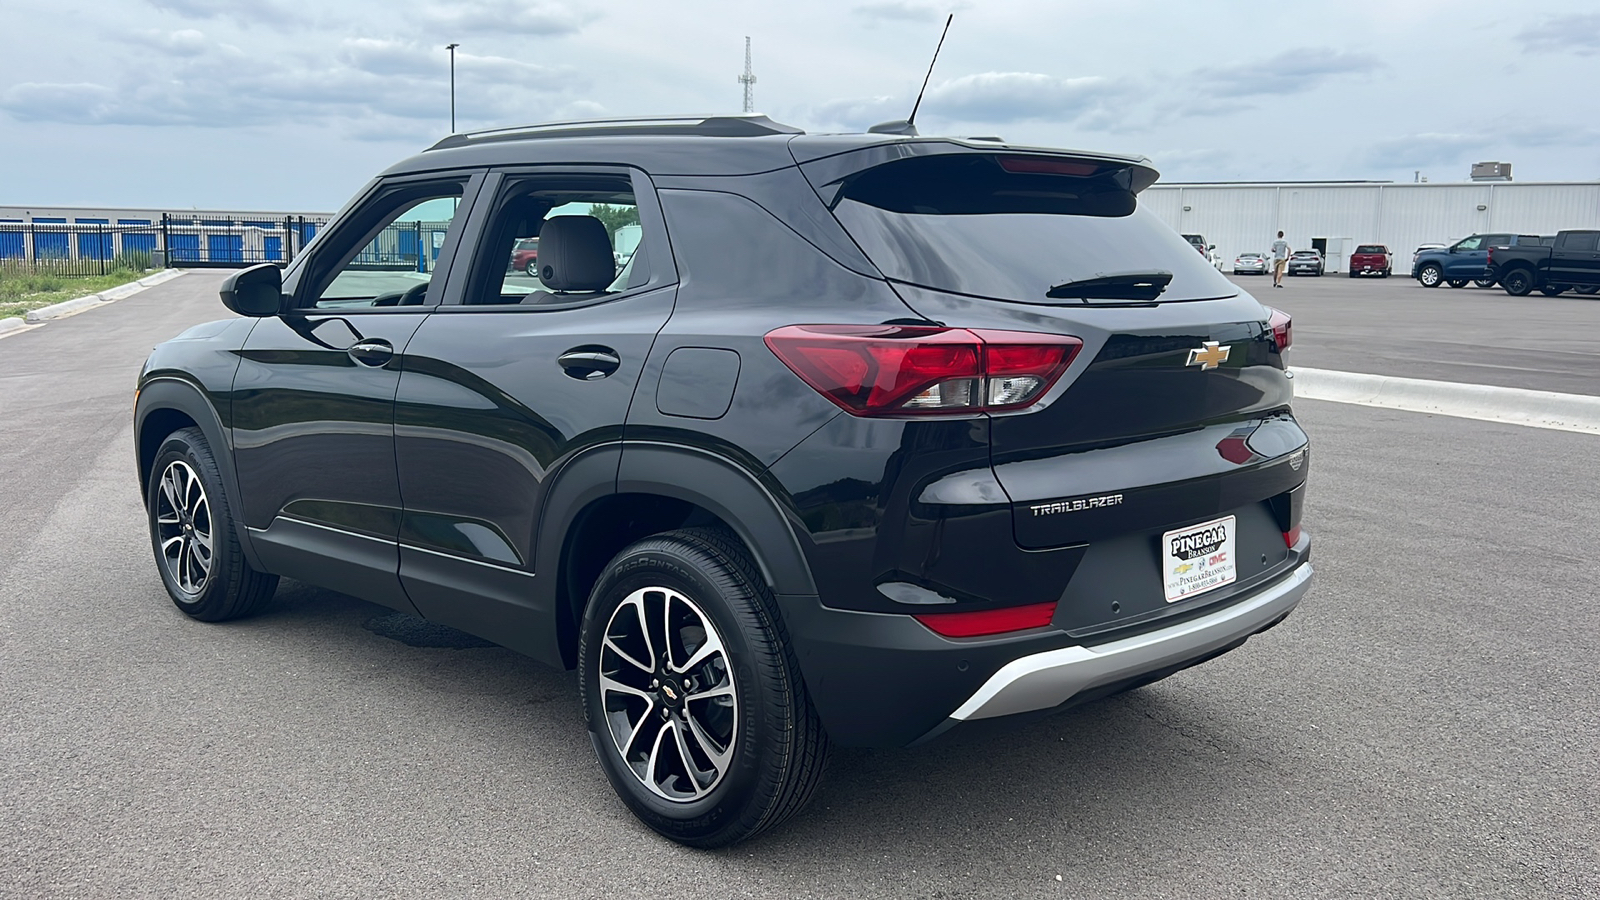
{"type": "Point", "coordinates": [372, 352]}
{"type": "Point", "coordinates": [589, 363]}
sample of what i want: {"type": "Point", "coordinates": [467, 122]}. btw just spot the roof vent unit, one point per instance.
{"type": "Point", "coordinates": [1491, 171]}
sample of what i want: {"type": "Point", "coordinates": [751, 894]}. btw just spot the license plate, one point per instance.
{"type": "Point", "coordinates": [1198, 558]}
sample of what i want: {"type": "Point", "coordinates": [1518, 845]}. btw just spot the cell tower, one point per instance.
{"type": "Point", "coordinates": [748, 79]}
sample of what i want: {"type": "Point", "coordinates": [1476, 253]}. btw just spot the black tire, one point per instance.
{"type": "Point", "coordinates": [532, 268]}
{"type": "Point", "coordinates": [1587, 289]}
{"type": "Point", "coordinates": [1517, 282]}
{"type": "Point", "coordinates": [1487, 282]}
{"type": "Point", "coordinates": [1352, 273]}
{"type": "Point", "coordinates": [229, 588]}
{"type": "Point", "coordinates": [1552, 290]}
{"type": "Point", "coordinates": [1387, 272]}
{"type": "Point", "coordinates": [1457, 282]}
{"type": "Point", "coordinates": [777, 744]}
{"type": "Point", "coordinates": [1430, 275]}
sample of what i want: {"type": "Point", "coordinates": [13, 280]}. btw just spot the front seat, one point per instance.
{"type": "Point", "coordinates": [575, 260]}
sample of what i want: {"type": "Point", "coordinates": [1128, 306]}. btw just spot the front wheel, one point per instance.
{"type": "Point", "coordinates": [691, 693]}
{"type": "Point", "coordinates": [1517, 282]}
{"type": "Point", "coordinates": [192, 533]}
{"type": "Point", "coordinates": [1587, 289]}
{"type": "Point", "coordinates": [1430, 275]}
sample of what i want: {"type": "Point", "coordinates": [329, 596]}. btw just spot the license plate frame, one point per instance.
{"type": "Point", "coordinates": [1199, 558]}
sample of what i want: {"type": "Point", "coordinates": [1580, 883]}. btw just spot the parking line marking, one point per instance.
{"type": "Point", "coordinates": [1484, 402]}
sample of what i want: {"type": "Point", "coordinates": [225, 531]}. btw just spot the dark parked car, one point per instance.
{"type": "Point", "coordinates": [1371, 259]}
{"type": "Point", "coordinates": [1571, 261]}
{"type": "Point", "coordinates": [1305, 262]}
{"type": "Point", "coordinates": [871, 447]}
{"type": "Point", "coordinates": [1465, 260]}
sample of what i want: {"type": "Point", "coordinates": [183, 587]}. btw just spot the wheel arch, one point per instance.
{"type": "Point", "coordinates": [167, 404]}
{"type": "Point", "coordinates": [657, 487]}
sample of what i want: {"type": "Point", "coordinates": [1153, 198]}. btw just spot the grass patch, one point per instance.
{"type": "Point", "coordinates": [24, 288]}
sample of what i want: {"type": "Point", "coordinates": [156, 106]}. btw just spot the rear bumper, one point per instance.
{"type": "Point", "coordinates": [882, 680]}
{"type": "Point", "coordinates": [1049, 679]}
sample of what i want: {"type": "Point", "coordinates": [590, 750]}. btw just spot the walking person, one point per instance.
{"type": "Point", "coordinates": [1280, 260]}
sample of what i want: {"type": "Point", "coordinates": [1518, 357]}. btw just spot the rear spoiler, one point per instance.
{"type": "Point", "coordinates": [827, 172]}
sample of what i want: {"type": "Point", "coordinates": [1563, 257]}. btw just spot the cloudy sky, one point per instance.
{"type": "Point", "coordinates": [292, 105]}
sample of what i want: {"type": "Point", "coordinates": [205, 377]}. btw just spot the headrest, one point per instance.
{"type": "Point", "coordinates": [575, 254]}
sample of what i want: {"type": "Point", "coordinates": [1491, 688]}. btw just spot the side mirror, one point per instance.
{"type": "Point", "coordinates": [1211, 246]}
{"type": "Point", "coordinates": [256, 291]}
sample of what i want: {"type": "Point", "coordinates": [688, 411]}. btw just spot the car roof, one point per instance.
{"type": "Point", "coordinates": [679, 145]}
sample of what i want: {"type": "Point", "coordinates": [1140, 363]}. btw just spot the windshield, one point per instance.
{"type": "Point", "coordinates": [966, 223]}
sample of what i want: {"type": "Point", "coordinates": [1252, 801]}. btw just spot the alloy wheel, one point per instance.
{"type": "Point", "coordinates": [666, 686]}
{"type": "Point", "coordinates": [183, 527]}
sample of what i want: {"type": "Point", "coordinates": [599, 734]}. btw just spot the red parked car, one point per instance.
{"type": "Point", "coordinates": [525, 256]}
{"type": "Point", "coordinates": [1371, 259]}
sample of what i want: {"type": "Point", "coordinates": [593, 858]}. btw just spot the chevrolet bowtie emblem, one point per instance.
{"type": "Point", "coordinates": [1208, 355]}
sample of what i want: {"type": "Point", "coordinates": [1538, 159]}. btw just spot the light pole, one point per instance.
{"type": "Point", "coordinates": [452, 49]}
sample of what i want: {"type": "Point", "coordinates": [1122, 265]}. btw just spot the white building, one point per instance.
{"type": "Point", "coordinates": [1337, 216]}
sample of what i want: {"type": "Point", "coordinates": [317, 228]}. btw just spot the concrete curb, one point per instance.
{"type": "Point", "coordinates": [1514, 406]}
{"type": "Point", "coordinates": [79, 304]}
{"type": "Point", "coordinates": [11, 324]}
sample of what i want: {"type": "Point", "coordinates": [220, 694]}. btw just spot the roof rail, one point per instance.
{"type": "Point", "coordinates": [703, 126]}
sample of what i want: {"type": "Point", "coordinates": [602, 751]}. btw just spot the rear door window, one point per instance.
{"type": "Point", "coordinates": [1012, 227]}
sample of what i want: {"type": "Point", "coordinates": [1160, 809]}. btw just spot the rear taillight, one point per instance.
{"type": "Point", "coordinates": [1292, 537]}
{"type": "Point", "coordinates": [896, 370]}
{"type": "Point", "coordinates": [1282, 328]}
{"type": "Point", "coordinates": [989, 621]}
{"type": "Point", "coordinates": [1490, 260]}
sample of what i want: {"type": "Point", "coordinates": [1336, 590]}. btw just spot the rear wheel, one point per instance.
{"type": "Point", "coordinates": [1352, 273]}
{"type": "Point", "coordinates": [1485, 282]}
{"type": "Point", "coordinates": [1387, 272]}
{"type": "Point", "coordinates": [691, 692]}
{"type": "Point", "coordinates": [192, 533]}
{"type": "Point", "coordinates": [1517, 282]}
{"type": "Point", "coordinates": [1552, 290]}
{"type": "Point", "coordinates": [1457, 282]}
{"type": "Point", "coordinates": [532, 268]}
{"type": "Point", "coordinates": [1430, 275]}
{"type": "Point", "coordinates": [1587, 289]}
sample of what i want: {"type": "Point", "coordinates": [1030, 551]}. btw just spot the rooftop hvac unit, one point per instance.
{"type": "Point", "coordinates": [1491, 171]}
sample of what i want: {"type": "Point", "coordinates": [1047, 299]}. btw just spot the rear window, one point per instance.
{"type": "Point", "coordinates": [1013, 227]}
{"type": "Point", "coordinates": [1371, 248]}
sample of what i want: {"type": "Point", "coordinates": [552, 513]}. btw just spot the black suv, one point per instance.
{"type": "Point", "coordinates": [872, 435]}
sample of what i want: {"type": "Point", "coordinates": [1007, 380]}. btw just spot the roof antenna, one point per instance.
{"type": "Point", "coordinates": [908, 126]}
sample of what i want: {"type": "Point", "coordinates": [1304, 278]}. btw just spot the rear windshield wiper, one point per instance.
{"type": "Point", "coordinates": [1144, 286]}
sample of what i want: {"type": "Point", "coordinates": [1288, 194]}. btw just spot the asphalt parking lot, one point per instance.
{"type": "Point", "coordinates": [1424, 726]}
{"type": "Point", "coordinates": [1395, 326]}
